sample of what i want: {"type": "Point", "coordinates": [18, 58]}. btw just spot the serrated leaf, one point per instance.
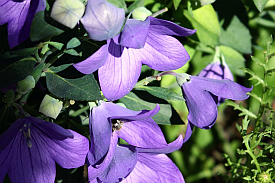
{"type": "Point", "coordinates": [133, 102]}
{"type": "Point", "coordinates": [239, 107]}
{"type": "Point", "coordinates": [260, 4]}
{"type": "Point", "coordinates": [136, 4]}
{"type": "Point", "coordinates": [176, 3]}
{"type": "Point", "coordinates": [16, 71]}
{"type": "Point", "coordinates": [50, 106]}
{"type": "Point", "coordinates": [254, 76]}
{"type": "Point", "coordinates": [71, 52]}
{"type": "Point", "coordinates": [59, 68]}
{"type": "Point", "coordinates": [162, 93]}
{"type": "Point", "coordinates": [237, 36]}
{"type": "Point", "coordinates": [74, 42]}
{"type": "Point", "coordinates": [55, 44]}
{"type": "Point", "coordinates": [84, 88]}
{"type": "Point", "coordinates": [234, 59]}
{"type": "Point", "coordinates": [40, 29]}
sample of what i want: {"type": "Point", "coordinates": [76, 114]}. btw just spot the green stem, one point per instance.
{"type": "Point", "coordinates": [252, 156]}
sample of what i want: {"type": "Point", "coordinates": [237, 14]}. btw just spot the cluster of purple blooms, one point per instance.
{"type": "Point", "coordinates": [31, 146]}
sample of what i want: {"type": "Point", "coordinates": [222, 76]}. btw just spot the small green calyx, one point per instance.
{"type": "Point", "coordinates": [25, 85]}
{"type": "Point", "coordinates": [182, 78]}
{"type": "Point", "coordinates": [141, 13]}
{"type": "Point", "coordinates": [264, 177]}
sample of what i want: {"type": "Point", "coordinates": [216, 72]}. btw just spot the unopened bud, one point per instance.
{"type": "Point", "coordinates": [141, 13]}
{"type": "Point", "coordinates": [25, 85]}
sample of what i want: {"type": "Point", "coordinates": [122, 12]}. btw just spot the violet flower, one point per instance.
{"type": "Point", "coordinates": [110, 162]}
{"type": "Point", "coordinates": [147, 42]}
{"type": "Point", "coordinates": [200, 96]}
{"type": "Point", "coordinates": [102, 20]}
{"type": "Point", "coordinates": [19, 15]}
{"type": "Point", "coordinates": [31, 146]}
{"type": "Point", "coordinates": [217, 70]}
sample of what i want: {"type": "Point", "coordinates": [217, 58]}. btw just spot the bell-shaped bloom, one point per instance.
{"type": "Point", "coordinates": [102, 20]}
{"type": "Point", "coordinates": [143, 159]}
{"type": "Point", "coordinates": [19, 15]}
{"type": "Point", "coordinates": [30, 148]}
{"type": "Point", "coordinates": [217, 70]}
{"type": "Point", "coordinates": [201, 94]}
{"type": "Point", "coordinates": [147, 42]}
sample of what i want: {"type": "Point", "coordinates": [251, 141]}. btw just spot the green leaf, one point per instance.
{"type": "Point", "coordinates": [74, 42]}
{"type": "Point", "coordinates": [254, 77]}
{"type": "Point", "coordinates": [260, 4]}
{"type": "Point", "coordinates": [133, 102]}
{"type": "Point", "coordinates": [84, 88]}
{"type": "Point", "coordinates": [59, 68]}
{"type": "Point", "coordinates": [40, 29]}
{"type": "Point", "coordinates": [50, 106]}
{"type": "Point", "coordinates": [205, 36]}
{"type": "Point", "coordinates": [72, 52]}
{"type": "Point", "coordinates": [207, 17]}
{"type": "Point", "coordinates": [136, 4]}
{"type": "Point", "coordinates": [55, 44]}
{"type": "Point", "coordinates": [234, 59]}
{"type": "Point", "coordinates": [24, 52]}
{"type": "Point", "coordinates": [16, 71]}
{"type": "Point", "coordinates": [205, 2]}
{"type": "Point", "coordinates": [237, 36]}
{"type": "Point", "coordinates": [119, 4]}
{"type": "Point", "coordinates": [7, 117]}
{"type": "Point", "coordinates": [160, 92]}
{"type": "Point", "coordinates": [176, 3]}
{"type": "Point", "coordinates": [37, 71]}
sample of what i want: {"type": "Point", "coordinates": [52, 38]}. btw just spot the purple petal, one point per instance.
{"type": "Point", "coordinates": [94, 62]}
{"type": "Point", "coordinates": [97, 170]}
{"type": "Point", "coordinates": [163, 52]}
{"type": "Point", "coordinates": [164, 27]}
{"type": "Point", "coordinates": [196, 98]}
{"type": "Point", "coordinates": [100, 132]}
{"type": "Point", "coordinates": [118, 76]}
{"type": "Point", "coordinates": [143, 133]}
{"type": "Point", "coordinates": [171, 147]}
{"type": "Point", "coordinates": [102, 20]}
{"type": "Point", "coordinates": [222, 88]}
{"type": "Point", "coordinates": [134, 33]}
{"type": "Point", "coordinates": [124, 161]}
{"type": "Point", "coordinates": [19, 15]}
{"type": "Point", "coordinates": [154, 169]}
{"type": "Point", "coordinates": [189, 131]}
{"type": "Point", "coordinates": [217, 70]}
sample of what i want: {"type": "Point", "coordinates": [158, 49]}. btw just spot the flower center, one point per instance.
{"type": "Point", "coordinates": [116, 124]}
{"type": "Point", "coordinates": [27, 133]}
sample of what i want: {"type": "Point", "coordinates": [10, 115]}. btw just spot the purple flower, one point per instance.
{"type": "Point", "coordinates": [113, 162]}
{"type": "Point", "coordinates": [217, 70]}
{"type": "Point", "coordinates": [102, 20]}
{"type": "Point", "coordinates": [201, 94]}
{"type": "Point", "coordinates": [147, 42]}
{"type": "Point", "coordinates": [31, 146]}
{"type": "Point", "coordinates": [19, 14]}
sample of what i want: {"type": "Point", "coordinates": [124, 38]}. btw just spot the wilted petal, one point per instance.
{"type": "Point", "coordinates": [102, 20]}
{"type": "Point", "coordinates": [154, 169]}
{"type": "Point", "coordinates": [171, 147]}
{"type": "Point", "coordinates": [164, 27]}
{"type": "Point", "coordinates": [201, 106]}
{"type": "Point", "coordinates": [124, 161]}
{"type": "Point", "coordinates": [120, 73]}
{"type": "Point", "coordinates": [94, 62]}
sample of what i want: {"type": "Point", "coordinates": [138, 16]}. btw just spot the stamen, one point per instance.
{"type": "Point", "coordinates": [27, 133]}
{"type": "Point", "coordinates": [116, 124]}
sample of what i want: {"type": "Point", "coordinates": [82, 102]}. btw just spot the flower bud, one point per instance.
{"type": "Point", "coordinates": [141, 13]}
{"type": "Point", "coordinates": [102, 20]}
{"type": "Point", "coordinates": [264, 177]}
{"type": "Point", "coordinates": [25, 85]}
